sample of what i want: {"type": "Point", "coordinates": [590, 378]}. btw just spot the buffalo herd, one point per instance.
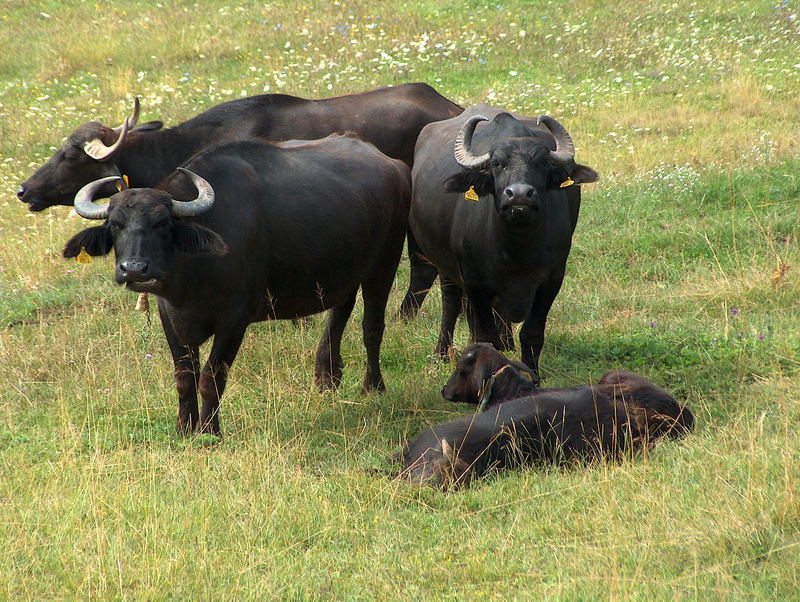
{"type": "Point", "coordinates": [277, 207]}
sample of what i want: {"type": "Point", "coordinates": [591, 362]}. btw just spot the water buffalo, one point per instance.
{"type": "Point", "coordinates": [276, 232]}
{"type": "Point", "coordinates": [390, 118]}
{"type": "Point", "coordinates": [622, 413]}
{"type": "Point", "coordinates": [496, 217]}
{"type": "Point", "coordinates": [485, 376]}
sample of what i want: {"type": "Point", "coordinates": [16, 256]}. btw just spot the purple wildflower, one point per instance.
{"type": "Point", "coordinates": [734, 311]}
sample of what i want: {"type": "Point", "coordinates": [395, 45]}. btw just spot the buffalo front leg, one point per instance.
{"type": "Point", "coordinates": [531, 335]}
{"type": "Point", "coordinates": [481, 319]}
{"type": "Point", "coordinates": [214, 377]}
{"type": "Point", "coordinates": [328, 372]}
{"type": "Point", "coordinates": [423, 275]}
{"type": "Point", "coordinates": [187, 369]}
{"type": "Point", "coordinates": [452, 303]}
{"type": "Point", "coordinates": [505, 328]}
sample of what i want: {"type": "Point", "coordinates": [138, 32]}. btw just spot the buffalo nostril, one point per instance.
{"type": "Point", "coordinates": [133, 267]}
{"type": "Point", "coordinates": [21, 192]}
{"type": "Point", "coordinates": [529, 193]}
{"type": "Point", "coordinates": [509, 192]}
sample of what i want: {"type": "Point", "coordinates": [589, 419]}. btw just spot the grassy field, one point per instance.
{"type": "Point", "coordinates": [690, 113]}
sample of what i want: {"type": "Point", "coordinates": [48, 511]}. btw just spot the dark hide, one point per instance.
{"type": "Point", "coordinates": [292, 232]}
{"type": "Point", "coordinates": [481, 364]}
{"type": "Point", "coordinates": [621, 414]}
{"type": "Point", "coordinates": [390, 118]}
{"type": "Point", "coordinates": [507, 256]}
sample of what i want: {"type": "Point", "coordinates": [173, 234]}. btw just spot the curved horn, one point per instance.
{"type": "Point", "coordinates": [565, 149]}
{"type": "Point", "coordinates": [133, 119]}
{"type": "Point", "coordinates": [99, 151]}
{"type": "Point", "coordinates": [462, 150]}
{"type": "Point", "coordinates": [84, 204]}
{"type": "Point", "coordinates": [203, 202]}
{"type": "Point", "coordinates": [447, 450]}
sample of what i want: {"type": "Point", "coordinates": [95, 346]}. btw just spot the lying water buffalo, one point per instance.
{"type": "Point", "coordinates": [496, 218]}
{"type": "Point", "coordinates": [485, 376]}
{"type": "Point", "coordinates": [622, 413]}
{"type": "Point", "coordinates": [276, 232]}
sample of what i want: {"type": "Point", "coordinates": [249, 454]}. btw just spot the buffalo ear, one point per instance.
{"type": "Point", "coordinates": [149, 126]}
{"type": "Point", "coordinates": [96, 240]}
{"type": "Point", "coordinates": [194, 239]}
{"type": "Point", "coordinates": [584, 175]}
{"type": "Point", "coordinates": [462, 181]}
{"type": "Point", "coordinates": [523, 371]}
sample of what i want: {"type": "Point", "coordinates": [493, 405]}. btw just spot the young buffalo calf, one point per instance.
{"type": "Point", "coordinates": [623, 412]}
{"type": "Point", "coordinates": [485, 376]}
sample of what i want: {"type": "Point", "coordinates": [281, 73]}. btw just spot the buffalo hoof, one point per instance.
{"type": "Point", "coordinates": [210, 427]}
{"type": "Point", "coordinates": [184, 427]}
{"type": "Point", "coordinates": [327, 381]}
{"type": "Point", "coordinates": [371, 384]}
{"type": "Point", "coordinates": [407, 312]}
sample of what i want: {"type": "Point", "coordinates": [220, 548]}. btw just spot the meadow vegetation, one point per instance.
{"type": "Point", "coordinates": [684, 268]}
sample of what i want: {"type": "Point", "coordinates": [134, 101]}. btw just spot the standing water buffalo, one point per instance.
{"type": "Point", "coordinates": [496, 218]}
{"type": "Point", "coordinates": [622, 413]}
{"type": "Point", "coordinates": [275, 232]}
{"type": "Point", "coordinates": [390, 118]}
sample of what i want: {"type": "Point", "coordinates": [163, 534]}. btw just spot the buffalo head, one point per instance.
{"type": "Point", "coordinates": [475, 368]}
{"type": "Point", "coordinates": [89, 154]}
{"type": "Point", "coordinates": [144, 228]}
{"type": "Point", "coordinates": [518, 171]}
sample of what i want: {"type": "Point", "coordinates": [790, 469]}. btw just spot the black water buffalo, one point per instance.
{"type": "Point", "coordinates": [620, 414]}
{"type": "Point", "coordinates": [498, 225]}
{"type": "Point", "coordinates": [276, 232]}
{"type": "Point", "coordinates": [390, 118]}
{"type": "Point", "coordinates": [485, 376]}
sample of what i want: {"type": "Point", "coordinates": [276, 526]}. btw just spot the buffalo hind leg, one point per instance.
{"type": "Point", "coordinates": [423, 275]}
{"type": "Point", "coordinates": [187, 368]}
{"type": "Point", "coordinates": [531, 335]}
{"type": "Point", "coordinates": [328, 372]}
{"type": "Point", "coordinates": [375, 293]}
{"type": "Point", "coordinates": [214, 377]}
{"type": "Point", "coordinates": [452, 304]}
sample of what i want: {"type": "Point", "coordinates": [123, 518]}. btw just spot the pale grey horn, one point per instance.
{"type": "Point", "coordinates": [565, 149]}
{"type": "Point", "coordinates": [84, 200]}
{"type": "Point", "coordinates": [133, 119]}
{"type": "Point", "coordinates": [99, 151]}
{"type": "Point", "coordinates": [462, 147]}
{"type": "Point", "coordinates": [203, 202]}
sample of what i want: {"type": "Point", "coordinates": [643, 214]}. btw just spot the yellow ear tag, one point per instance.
{"type": "Point", "coordinates": [83, 256]}
{"type": "Point", "coordinates": [125, 181]}
{"type": "Point", "coordinates": [471, 195]}
{"type": "Point", "coordinates": [568, 182]}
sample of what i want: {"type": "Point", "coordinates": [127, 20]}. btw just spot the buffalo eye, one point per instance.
{"type": "Point", "coordinates": [115, 226]}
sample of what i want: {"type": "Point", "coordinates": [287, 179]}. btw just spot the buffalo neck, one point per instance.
{"type": "Point", "coordinates": [150, 156]}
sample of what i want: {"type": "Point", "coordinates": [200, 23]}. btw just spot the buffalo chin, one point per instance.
{"type": "Point", "coordinates": [37, 205]}
{"type": "Point", "coordinates": [145, 286]}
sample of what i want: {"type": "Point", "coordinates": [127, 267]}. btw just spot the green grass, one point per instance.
{"type": "Point", "coordinates": [689, 111]}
